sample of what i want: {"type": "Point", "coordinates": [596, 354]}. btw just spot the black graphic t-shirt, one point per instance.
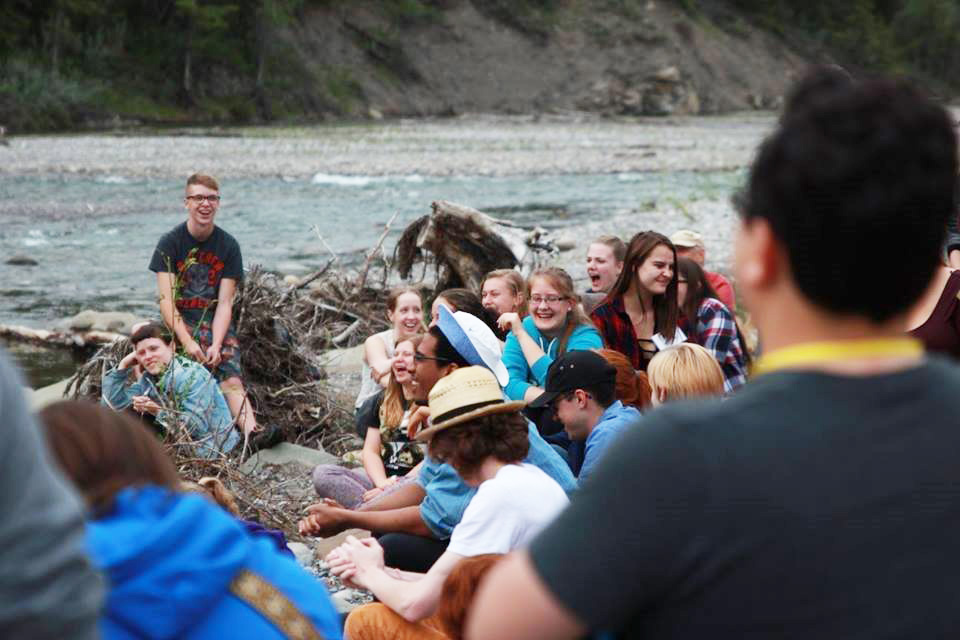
{"type": "Point", "coordinates": [198, 267]}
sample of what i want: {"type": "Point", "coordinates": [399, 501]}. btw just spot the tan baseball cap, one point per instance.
{"type": "Point", "coordinates": [687, 239]}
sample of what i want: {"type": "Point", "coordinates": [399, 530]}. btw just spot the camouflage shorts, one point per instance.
{"type": "Point", "coordinates": [229, 366]}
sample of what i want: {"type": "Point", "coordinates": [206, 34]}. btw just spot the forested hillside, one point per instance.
{"type": "Point", "coordinates": [68, 64]}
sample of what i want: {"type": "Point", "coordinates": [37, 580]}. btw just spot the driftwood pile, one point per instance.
{"type": "Point", "coordinates": [464, 244]}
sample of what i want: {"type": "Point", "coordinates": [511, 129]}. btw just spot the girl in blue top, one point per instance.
{"type": "Point", "coordinates": [556, 324]}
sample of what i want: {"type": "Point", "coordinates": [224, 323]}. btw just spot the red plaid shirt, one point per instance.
{"type": "Point", "coordinates": [615, 326]}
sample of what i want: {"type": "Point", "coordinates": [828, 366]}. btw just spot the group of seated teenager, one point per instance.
{"type": "Point", "coordinates": [521, 478]}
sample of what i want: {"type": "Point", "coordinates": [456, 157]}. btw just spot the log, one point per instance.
{"type": "Point", "coordinates": [62, 339]}
{"type": "Point", "coordinates": [465, 244]}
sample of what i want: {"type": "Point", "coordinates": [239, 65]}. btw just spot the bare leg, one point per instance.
{"type": "Point", "coordinates": [240, 407]}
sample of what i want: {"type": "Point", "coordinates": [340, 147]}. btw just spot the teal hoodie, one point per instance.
{"type": "Point", "coordinates": [523, 376]}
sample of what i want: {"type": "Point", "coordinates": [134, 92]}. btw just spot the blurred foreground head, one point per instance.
{"type": "Point", "coordinates": [103, 451]}
{"type": "Point", "coordinates": [848, 200]}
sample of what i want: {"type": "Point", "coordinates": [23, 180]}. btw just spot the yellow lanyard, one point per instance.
{"type": "Point", "coordinates": [837, 351]}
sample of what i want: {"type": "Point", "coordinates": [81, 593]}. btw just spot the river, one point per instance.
{"type": "Point", "coordinates": [90, 208]}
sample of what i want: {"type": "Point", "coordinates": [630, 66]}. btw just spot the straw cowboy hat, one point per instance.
{"type": "Point", "coordinates": [465, 394]}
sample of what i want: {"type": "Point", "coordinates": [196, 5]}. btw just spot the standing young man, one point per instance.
{"type": "Point", "coordinates": [198, 266]}
{"type": "Point", "coordinates": [823, 500]}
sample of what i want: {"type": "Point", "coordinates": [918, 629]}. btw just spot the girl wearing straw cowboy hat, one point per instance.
{"type": "Point", "coordinates": [485, 440]}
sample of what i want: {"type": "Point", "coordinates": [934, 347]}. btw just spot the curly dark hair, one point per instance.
{"type": "Point", "coordinates": [858, 184]}
{"type": "Point", "coordinates": [465, 446]}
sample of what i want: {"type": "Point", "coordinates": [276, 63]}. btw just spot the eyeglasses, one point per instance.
{"type": "Point", "coordinates": [551, 300]}
{"type": "Point", "coordinates": [555, 405]}
{"type": "Point", "coordinates": [214, 199]}
{"type": "Point", "coordinates": [419, 357]}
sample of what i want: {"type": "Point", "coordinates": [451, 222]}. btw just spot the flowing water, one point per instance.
{"type": "Point", "coordinates": [89, 209]}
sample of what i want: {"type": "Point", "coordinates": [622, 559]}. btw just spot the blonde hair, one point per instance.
{"type": "Point", "coordinates": [685, 370]}
{"type": "Point", "coordinates": [515, 281]}
{"type": "Point", "coordinates": [215, 490]}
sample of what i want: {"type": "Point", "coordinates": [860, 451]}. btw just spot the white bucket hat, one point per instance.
{"type": "Point", "coordinates": [473, 340]}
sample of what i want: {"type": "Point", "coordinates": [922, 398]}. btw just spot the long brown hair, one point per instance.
{"type": "Point", "coordinates": [103, 451]}
{"type": "Point", "coordinates": [698, 290]}
{"type": "Point", "coordinates": [665, 309]}
{"type": "Point", "coordinates": [459, 589]}
{"type": "Point", "coordinates": [563, 283]}
{"type": "Point", "coordinates": [391, 409]}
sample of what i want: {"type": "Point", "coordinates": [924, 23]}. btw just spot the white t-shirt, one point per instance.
{"type": "Point", "coordinates": [508, 511]}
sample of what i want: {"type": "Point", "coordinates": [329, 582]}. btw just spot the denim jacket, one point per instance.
{"type": "Point", "coordinates": [189, 387]}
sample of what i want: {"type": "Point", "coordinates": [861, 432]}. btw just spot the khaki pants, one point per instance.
{"type": "Point", "coordinates": [379, 622]}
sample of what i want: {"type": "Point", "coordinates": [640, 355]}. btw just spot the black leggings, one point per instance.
{"type": "Point", "coordinates": [409, 552]}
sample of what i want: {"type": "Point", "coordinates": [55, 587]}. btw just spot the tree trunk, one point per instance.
{"type": "Point", "coordinates": [186, 88]}
{"type": "Point", "coordinates": [259, 92]}
{"type": "Point", "coordinates": [58, 18]}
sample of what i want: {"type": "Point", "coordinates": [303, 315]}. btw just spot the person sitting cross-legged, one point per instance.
{"type": "Point", "coordinates": [177, 390]}
{"type": "Point", "coordinates": [486, 440]}
{"type": "Point", "coordinates": [581, 389]}
{"type": "Point", "coordinates": [418, 518]}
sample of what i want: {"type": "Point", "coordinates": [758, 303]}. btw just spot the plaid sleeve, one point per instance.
{"type": "Point", "coordinates": [718, 334]}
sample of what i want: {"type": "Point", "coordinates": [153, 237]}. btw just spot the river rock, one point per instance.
{"type": "Point", "coordinates": [667, 94]}
{"type": "Point", "coordinates": [660, 93]}
{"type": "Point", "coordinates": [302, 553]}
{"type": "Point", "coordinates": [89, 320]}
{"type": "Point", "coordinates": [22, 261]}
{"type": "Point", "coordinates": [288, 452]}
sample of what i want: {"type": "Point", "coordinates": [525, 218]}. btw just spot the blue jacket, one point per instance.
{"type": "Point", "coordinates": [522, 376]}
{"type": "Point", "coordinates": [190, 386]}
{"type": "Point", "coordinates": [170, 558]}
{"type": "Point", "coordinates": [615, 420]}
{"type": "Point", "coordinates": [447, 495]}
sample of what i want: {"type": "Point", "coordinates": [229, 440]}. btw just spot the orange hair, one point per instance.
{"type": "Point", "coordinates": [459, 589]}
{"type": "Point", "coordinates": [632, 387]}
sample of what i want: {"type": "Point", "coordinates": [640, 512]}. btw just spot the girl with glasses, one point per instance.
{"type": "Point", "coordinates": [556, 324]}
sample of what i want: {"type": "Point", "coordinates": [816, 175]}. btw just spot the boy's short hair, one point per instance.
{"type": "Point", "coordinates": [207, 181]}
{"type": "Point", "coordinates": [151, 330]}
{"type": "Point", "coordinates": [858, 184]}
{"type": "Point", "coordinates": [685, 370]}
